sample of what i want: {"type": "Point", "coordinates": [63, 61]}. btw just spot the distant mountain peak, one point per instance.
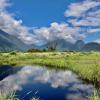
{"type": "Point", "coordinates": [79, 45]}
{"type": "Point", "coordinates": [92, 46]}
{"type": "Point", "coordinates": [9, 42]}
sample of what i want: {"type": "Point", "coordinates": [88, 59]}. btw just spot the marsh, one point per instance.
{"type": "Point", "coordinates": [44, 83]}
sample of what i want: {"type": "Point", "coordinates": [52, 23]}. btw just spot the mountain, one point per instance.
{"type": "Point", "coordinates": [10, 42]}
{"type": "Point", "coordinates": [92, 46]}
{"type": "Point", "coordinates": [78, 45]}
{"type": "Point", "coordinates": [61, 45]}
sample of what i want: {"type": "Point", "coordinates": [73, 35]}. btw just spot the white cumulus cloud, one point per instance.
{"type": "Point", "coordinates": [80, 10]}
{"type": "Point", "coordinates": [77, 9]}
{"type": "Point", "coordinates": [59, 31]}
{"type": "Point", "coordinates": [41, 35]}
{"type": "Point", "coordinates": [97, 41]}
{"type": "Point", "coordinates": [12, 26]}
{"type": "Point", "coordinates": [85, 14]}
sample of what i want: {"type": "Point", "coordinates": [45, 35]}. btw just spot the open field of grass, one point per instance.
{"type": "Point", "coordinates": [84, 64]}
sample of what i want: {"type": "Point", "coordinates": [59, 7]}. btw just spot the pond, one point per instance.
{"type": "Point", "coordinates": [43, 82]}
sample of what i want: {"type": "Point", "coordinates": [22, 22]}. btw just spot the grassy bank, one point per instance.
{"type": "Point", "coordinates": [85, 64]}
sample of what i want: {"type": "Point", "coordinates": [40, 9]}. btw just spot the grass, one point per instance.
{"type": "Point", "coordinates": [12, 96]}
{"type": "Point", "coordinates": [84, 64]}
{"type": "Point", "coordinates": [94, 96]}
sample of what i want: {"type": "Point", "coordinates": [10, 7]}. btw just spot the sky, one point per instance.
{"type": "Point", "coordinates": [40, 21]}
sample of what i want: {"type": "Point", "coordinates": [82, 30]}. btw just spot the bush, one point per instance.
{"type": "Point", "coordinates": [33, 50]}
{"type": "Point", "coordinates": [13, 53]}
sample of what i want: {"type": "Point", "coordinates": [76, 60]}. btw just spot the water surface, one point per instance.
{"type": "Point", "coordinates": [47, 84]}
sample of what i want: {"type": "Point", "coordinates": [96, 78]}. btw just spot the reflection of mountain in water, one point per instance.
{"type": "Point", "coordinates": [51, 84]}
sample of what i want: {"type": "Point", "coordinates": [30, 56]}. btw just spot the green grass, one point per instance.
{"type": "Point", "coordinates": [12, 96]}
{"type": "Point", "coordinates": [84, 64]}
{"type": "Point", "coordinates": [94, 96]}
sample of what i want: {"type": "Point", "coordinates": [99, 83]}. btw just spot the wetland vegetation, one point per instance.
{"type": "Point", "coordinates": [85, 64]}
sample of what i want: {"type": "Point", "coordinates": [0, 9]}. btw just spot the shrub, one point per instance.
{"type": "Point", "coordinates": [33, 50]}
{"type": "Point", "coordinates": [13, 53]}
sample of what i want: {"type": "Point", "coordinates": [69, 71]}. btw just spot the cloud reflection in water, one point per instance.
{"type": "Point", "coordinates": [56, 78]}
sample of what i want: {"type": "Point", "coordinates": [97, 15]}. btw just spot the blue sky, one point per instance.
{"type": "Point", "coordinates": [40, 12]}
{"type": "Point", "coordinates": [42, 20]}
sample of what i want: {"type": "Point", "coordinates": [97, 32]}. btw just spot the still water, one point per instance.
{"type": "Point", "coordinates": [42, 82]}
